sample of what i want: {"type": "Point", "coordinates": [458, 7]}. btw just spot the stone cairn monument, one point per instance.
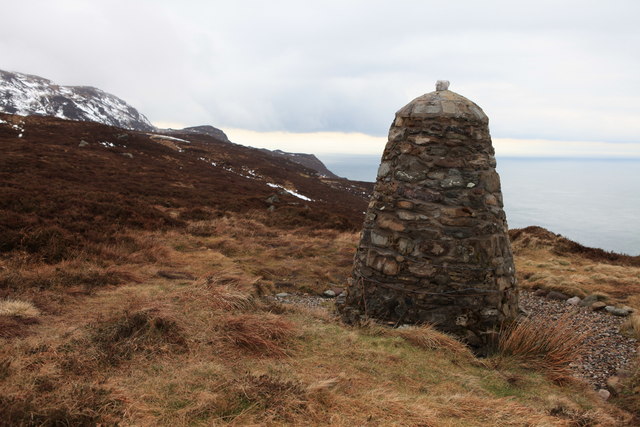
{"type": "Point", "coordinates": [434, 246]}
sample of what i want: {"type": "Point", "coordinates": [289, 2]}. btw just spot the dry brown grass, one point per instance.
{"type": "Point", "coordinates": [631, 327]}
{"type": "Point", "coordinates": [262, 334]}
{"type": "Point", "coordinates": [75, 404]}
{"type": "Point", "coordinates": [111, 342]}
{"type": "Point", "coordinates": [211, 351]}
{"type": "Point", "coordinates": [546, 345]}
{"type": "Point", "coordinates": [546, 261]}
{"type": "Point", "coordinates": [429, 338]}
{"type": "Point", "coordinates": [145, 331]}
{"type": "Point", "coordinates": [629, 397]}
{"type": "Point", "coordinates": [13, 307]}
{"type": "Point", "coordinates": [65, 275]}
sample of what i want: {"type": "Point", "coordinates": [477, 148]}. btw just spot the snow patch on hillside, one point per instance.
{"type": "Point", "coordinates": [293, 193]}
{"type": "Point", "coordinates": [170, 138]}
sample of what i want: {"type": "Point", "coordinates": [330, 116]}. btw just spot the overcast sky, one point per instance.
{"type": "Point", "coordinates": [320, 74]}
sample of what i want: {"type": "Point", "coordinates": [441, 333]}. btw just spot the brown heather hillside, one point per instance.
{"type": "Point", "coordinates": [53, 189]}
{"type": "Point", "coordinates": [138, 291]}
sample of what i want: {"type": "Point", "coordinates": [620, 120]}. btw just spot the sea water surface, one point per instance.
{"type": "Point", "coordinates": [593, 202]}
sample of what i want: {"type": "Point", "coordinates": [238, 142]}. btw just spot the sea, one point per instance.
{"type": "Point", "coordinates": [595, 202]}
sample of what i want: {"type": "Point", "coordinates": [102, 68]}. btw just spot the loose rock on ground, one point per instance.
{"type": "Point", "coordinates": [606, 351]}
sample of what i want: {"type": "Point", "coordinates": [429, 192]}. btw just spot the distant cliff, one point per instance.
{"type": "Point", "coordinates": [205, 130]}
{"type": "Point", "coordinates": [308, 160]}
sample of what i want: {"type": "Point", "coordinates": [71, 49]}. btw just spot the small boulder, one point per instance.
{"type": "Point", "coordinates": [617, 311]}
{"type": "Point", "coordinates": [540, 292]}
{"type": "Point", "coordinates": [604, 394]}
{"type": "Point", "coordinates": [557, 296]}
{"type": "Point", "coordinates": [282, 295]}
{"type": "Point", "coordinates": [272, 199]}
{"type": "Point", "coordinates": [588, 300]}
{"type": "Point", "coordinates": [129, 155]}
{"type": "Point", "coordinates": [574, 301]}
{"type": "Point", "coordinates": [598, 305]}
{"type": "Point", "coordinates": [329, 293]}
{"type": "Point", "coordinates": [338, 291]}
{"type": "Point", "coordinates": [83, 143]}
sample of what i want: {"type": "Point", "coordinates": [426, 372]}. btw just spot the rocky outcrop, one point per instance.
{"type": "Point", "coordinates": [307, 160]}
{"type": "Point", "coordinates": [206, 130]}
{"type": "Point", "coordinates": [27, 95]}
{"type": "Point", "coordinates": [434, 246]}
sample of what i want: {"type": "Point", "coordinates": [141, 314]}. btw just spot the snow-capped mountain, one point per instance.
{"type": "Point", "coordinates": [25, 95]}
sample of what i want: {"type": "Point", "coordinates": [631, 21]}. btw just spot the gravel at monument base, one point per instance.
{"type": "Point", "coordinates": [606, 351]}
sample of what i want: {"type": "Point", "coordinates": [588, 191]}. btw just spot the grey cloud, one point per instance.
{"type": "Point", "coordinates": [540, 69]}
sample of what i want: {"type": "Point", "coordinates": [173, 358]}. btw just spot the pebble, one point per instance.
{"type": "Point", "coordinates": [616, 311]}
{"type": "Point", "coordinates": [574, 301]}
{"type": "Point", "coordinates": [282, 295]}
{"type": "Point", "coordinates": [557, 296]}
{"type": "Point", "coordinates": [540, 292]}
{"type": "Point", "coordinates": [311, 301]}
{"type": "Point", "coordinates": [606, 351]}
{"type": "Point", "coordinates": [604, 394]}
{"type": "Point", "coordinates": [329, 293]}
{"type": "Point", "coordinates": [588, 300]}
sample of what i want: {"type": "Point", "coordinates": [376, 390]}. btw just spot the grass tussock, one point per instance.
{"type": "Point", "coordinates": [631, 327]}
{"type": "Point", "coordinates": [545, 345]}
{"type": "Point", "coordinates": [145, 331]}
{"type": "Point", "coordinates": [223, 291]}
{"type": "Point", "coordinates": [280, 400]}
{"type": "Point", "coordinates": [231, 300]}
{"type": "Point", "coordinates": [277, 401]}
{"type": "Point", "coordinates": [14, 326]}
{"type": "Point", "coordinates": [18, 308]}
{"type": "Point", "coordinates": [428, 338]}
{"type": "Point", "coordinates": [574, 415]}
{"type": "Point", "coordinates": [73, 405]}
{"type": "Point", "coordinates": [629, 396]}
{"type": "Point", "coordinates": [201, 229]}
{"type": "Point", "coordinates": [260, 334]}
{"type": "Point", "coordinates": [110, 342]}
